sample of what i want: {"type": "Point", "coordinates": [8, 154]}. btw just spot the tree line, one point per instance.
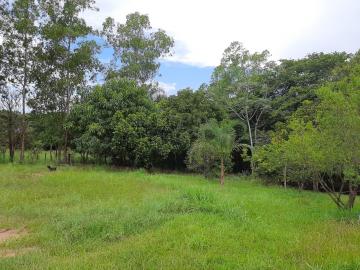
{"type": "Point", "coordinates": [292, 121]}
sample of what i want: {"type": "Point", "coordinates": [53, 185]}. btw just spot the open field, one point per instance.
{"type": "Point", "coordinates": [95, 218]}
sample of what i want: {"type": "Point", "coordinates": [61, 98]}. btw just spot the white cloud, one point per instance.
{"type": "Point", "coordinates": [169, 88]}
{"type": "Point", "coordinates": [202, 29]}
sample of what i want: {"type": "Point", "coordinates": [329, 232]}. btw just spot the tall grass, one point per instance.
{"type": "Point", "coordinates": [96, 218]}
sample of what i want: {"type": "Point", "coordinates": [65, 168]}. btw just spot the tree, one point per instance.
{"type": "Point", "coordinates": [180, 117]}
{"type": "Point", "coordinates": [240, 84]}
{"type": "Point", "coordinates": [339, 122]}
{"type": "Point", "coordinates": [297, 80]}
{"type": "Point", "coordinates": [271, 159]}
{"type": "Point", "coordinates": [120, 121]}
{"type": "Point", "coordinates": [45, 128]}
{"type": "Point", "coordinates": [9, 98]}
{"type": "Point", "coordinates": [215, 142]}
{"type": "Point", "coordinates": [66, 58]}
{"type": "Point", "coordinates": [137, 47]}
{"type": "Point", "coordinates": [302, 156]}
{"type": "Point", "coordinates": [9, 102]}
{"type": "Point", "coordinates": [19, 36]}
{"type": "Point", "coordinates": [325, 148]}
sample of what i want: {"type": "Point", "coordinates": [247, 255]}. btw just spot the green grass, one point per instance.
{"type": "Point", "coordinates": [95, 218]}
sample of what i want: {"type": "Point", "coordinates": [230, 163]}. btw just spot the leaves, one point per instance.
{"type": "Point", "coordinates": [137, 47]}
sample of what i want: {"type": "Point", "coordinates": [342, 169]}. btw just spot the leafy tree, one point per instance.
{"type": "Point", "coordinates": [302, 155]}
{"type": "Point", "coordinates": [66, 58]}
{"type": "Point", "coordinates": [137, 47]}
{"type": "Point", "coordinates": [271, 159]}
{"type": "Point", "coordinates": [297, 80]}
{"type": "Point", "coordinates": [325, 148]}
{"type": "Point", "coordinates": [20, 33]}
{"type": "Point", "coordinates": [9, 99]}
{"type": "Point", "coordinates": [45, 128]}
{"type": "Point", "coordinates": [215, 143]}
{"type": "Point", "coordinates": [339, 122]}
{"type": "Point", "coordinates": [119, 120]}
{"type": "Point", "coordinates": [240, 84]}
{"type": "Point", "coordinates": [180, 118]}
{"type": "Point", "coordinates": [9, 102]}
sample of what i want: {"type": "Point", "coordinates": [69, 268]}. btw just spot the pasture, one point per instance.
{"type": "Point", "coordinates": [98, 218]}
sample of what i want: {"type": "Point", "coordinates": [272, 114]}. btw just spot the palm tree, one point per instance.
{"type": "Point", "coordinates": [219, 139]}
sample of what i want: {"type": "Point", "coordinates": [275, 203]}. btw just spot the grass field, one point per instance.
{"type": "Point", "coordinates": [95, 218]}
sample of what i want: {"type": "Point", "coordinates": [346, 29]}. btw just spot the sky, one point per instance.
{"type": "Point", "coordinates": [202, 29]}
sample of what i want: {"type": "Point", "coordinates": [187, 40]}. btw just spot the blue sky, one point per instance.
{"type": "Point", "coordinates": [202, 29]}
{"type": "Point", "coordinates": [179, 76]}
{"type": "Point", "coordinates": [172, 75]}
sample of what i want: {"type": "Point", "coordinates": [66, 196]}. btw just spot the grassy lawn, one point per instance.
{"type": "Point", "coordinates": [95, 218]}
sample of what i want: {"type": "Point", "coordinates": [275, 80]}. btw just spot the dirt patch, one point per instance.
{"type": "Point", "coordinates": [38, 174]}
{"type": "Point", "coordinates": [9, 253]}
{"type": "Point", "coordinates": [9, 234]}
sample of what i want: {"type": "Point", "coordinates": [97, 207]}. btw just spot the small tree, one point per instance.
{"type": "Point", "coordinates": [214, 144]}
{"type": "Point", "coordinates": [338, 117]}
{"type": "Point", "coordinates": [271, 159]}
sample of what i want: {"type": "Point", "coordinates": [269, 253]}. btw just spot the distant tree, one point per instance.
{"type": "Point", "coordinates": [119, 121]}
{"type": "Point", "coordinates": [20, 34]}
{"type": "Point", "coordinates": [180, 118]}
{"type": "Point", "coordinates": [137, 47]}
{"type": "Point", "coordinates": [324, 148]}
{"type": "Point", "coordinates": [297, 80]}
{"type": "Point", "coordinates": [271, 159]}
{"type": "Point", "coordinates": [66, 58]}
{"type": "Point", "coordinates": [303, 156]}
{"type": "Point", "coordinates": [240, 84]}
{"type": "Point", "coordinates": [339, 122]}
{"type": "Point", "coordinates": [45, 128]}
{"type": "Point", "coordinates": [9, 97]}
{"type": "Point", "coordinates": [9, 103]}
{"type": "Point", "coordinates": [215, 143]}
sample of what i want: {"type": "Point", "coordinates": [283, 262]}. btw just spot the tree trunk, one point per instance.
{"type": "Point", "coordinates": [206, 168]}
{"type": "Point", "coordinates": [251, 142]}
{"type": "Point", "coordinates": [23, 93]}
{"type": "Point", "coordinates": [301, 186]}
{"type": "Point", "coordinates": [65, 147]}
{"type": "Point", "coordinates": [67, 106]}
{"type": "Point", "coordinates": [23, 131]}
{"type": "Point", "coordinates": [352, 196]}
{"type": "Point", "coordinates": [315, 185]}
{"type": "Point", "coordinates": [51, 158]}
{"type": "Point", "coordinates": [222, 173]}
{"type": "Point", "coordinates": [285, 177]}
{"type": "Point", "coordinates": [59, 155]}
{"type": "Point", "coordinates": [11, 135]}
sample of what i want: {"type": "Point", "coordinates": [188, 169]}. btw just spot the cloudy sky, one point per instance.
{"type": "Point", "coordinates": [202, 29]}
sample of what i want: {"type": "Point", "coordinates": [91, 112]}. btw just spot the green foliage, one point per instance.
{"type": "Point", "coordinates": [325, 147]}
{"type": "Point", "coordinates": [118, 120]}
{"type": "Point", "coordinates": [214, 145]}
{"type": "Point", "coordinates": [297, 80]}
{"type": "Point", "coordinates": [137, 47]}
{"type": "Point", "coordinates": [241, 85]}
{"type": "Point", "coordinates": [180, 119]}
